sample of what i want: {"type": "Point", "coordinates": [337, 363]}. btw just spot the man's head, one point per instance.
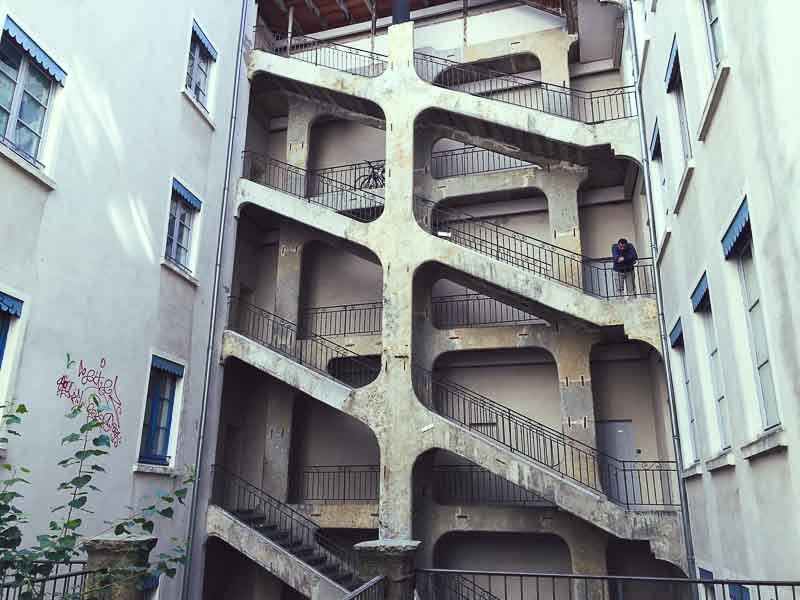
{"type": "Point", "coordinates": [622, 243]}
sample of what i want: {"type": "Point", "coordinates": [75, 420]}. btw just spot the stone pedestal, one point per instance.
{"type": "Point", "coordinates": [394, 559]}
{"type": "Point", "coordinates": [118, 552]}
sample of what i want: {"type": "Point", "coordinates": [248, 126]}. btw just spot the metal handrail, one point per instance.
{"type": "Point", "coordinates": [478, 80]}
{"type": "Point", "coordinates": [543, 258]}
{"type": "Point", "coordinates": [374, 589]}
{"type": "Point", "coordinates": [311, 350]}
{"type": "Point", "coordinates": [362, 318]}
{"type": "Point", "coordinates": [337, 484]}
{"type": "Point", "coordinates": [472, 160]}
{"type": "Point", "coordinates": [312, 186]}
{"type": "Point", "coordinates": [472, 484]}
{"type": "Point", "coordinates": [626, 483]}
{"type": "Point", "coordinates": [248, 498]}
{"type": "Point", "coordinates": [70, 584]}
{"type": "Point", "coordinates": [340, 57]}
{"type": "Point", "coordinates": [459, 310]}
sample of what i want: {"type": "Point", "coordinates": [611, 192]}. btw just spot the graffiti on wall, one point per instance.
{"type": "Point", "coordinates": [91, 389]}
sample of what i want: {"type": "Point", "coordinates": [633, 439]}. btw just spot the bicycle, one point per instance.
{"type": "Point", "coordinates": [375, 178]}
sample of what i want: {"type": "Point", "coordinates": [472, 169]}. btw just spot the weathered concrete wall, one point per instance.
{"type": "Point", "coordinates": [490, 551]}
{"type": "Point", "coordinates": [333, 276]}
{"type": "Point", "coordinates": [343, 142]}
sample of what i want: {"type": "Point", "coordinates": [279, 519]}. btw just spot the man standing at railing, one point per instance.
{"type": "Point", "coordinates": [625, 259]}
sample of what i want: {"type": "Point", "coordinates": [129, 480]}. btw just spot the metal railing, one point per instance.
{"type": "Point", "coordinates": [343, 484]}
{"type": "Point", "coordinates": [477, 310]}
{"type": "Point", "coordinates": [593, 276]}
{"type": "Point", "coordinates": [374, 589]}
{"type": "Point", "coordinates": [64, 581]}
{"type": "Point", "coordinates": [626, 483]}
{"type": "Point", "coordinates": [479, 80]}
{"type": "Point", "coordinates": [312, 351]}
{"type": "Point", "coordinates": [248, 502]}
{"type": "Point", "coordinates": [345, 199]}
{"type": "Point", "coordinates": [345, 319]}
{"type": "Point", "coordinates": [471, 160]}
{"type": "Point", "coordinates": [472, 484]}
{"type": "Point", "coordinates": [364, 175]}
{"type": "Point", "coordinates": [441, 584]}
{"type": "Point", "coordinates": [347, 59]}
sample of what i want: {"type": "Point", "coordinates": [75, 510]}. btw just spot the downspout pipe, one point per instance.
{"type": "Point", "coordinates": [676, 441]}
{"type": "Point", "coordinates": [216, 295]}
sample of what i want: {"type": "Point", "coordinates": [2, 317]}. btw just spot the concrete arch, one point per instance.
{"type": "Point", "coordinates": [465, 73]}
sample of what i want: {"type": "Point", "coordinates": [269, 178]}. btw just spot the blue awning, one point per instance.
{"type": "Point", "coordinates": [162, 364]}
{"type": "Point", "coordinates": [700, 294]}
{"type": "Point", "coordinates": [204, 40]}
{"type": "Point", "coordinates": [655, 142]}
{"type": "Point", "coordinates": [676, 335]}
{"type": "Point", "coordinates": [190, 198]}
{"type": "Point", "coordinates": [736, 229]}
{"type": "Point", "coordinates": [705, 573]}
{"type": "Point", "coordinates": [34, 51]}
{"type": "Point", "coordinates": [673, 66]}
{"type": "Point", "coordinates": [10, 305]}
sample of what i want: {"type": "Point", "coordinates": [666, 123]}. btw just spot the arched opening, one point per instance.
{"type": "Point", "coordinates": [628, 558]}
{"type": "Point", "coordinates": [454, 305]}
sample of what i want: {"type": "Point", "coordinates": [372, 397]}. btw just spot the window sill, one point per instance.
{"type": "Point", "coordinates": [180, 272]}
{"type": "Point", "coordinates": [683, 187]}
{"type": "Point", "coordinates": [766, 443]}
{"type": "Point", "coordinates": [24, 165]}
{"type": "Point", "coordinates": [149, 469]}
{"type": "Point", "coordinates": [692, 471]}
{"type": "Point", "coordinates": [199, 108]}
{"type": "Point", "coordinates": [712, 102]}
{"type": "Point", "coordinates": [724, 460]}
{"type": "Point", "coordinates": [662, 244]}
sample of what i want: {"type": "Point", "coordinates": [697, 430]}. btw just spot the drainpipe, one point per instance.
{"type": "Point", "coordinates": [400, 11]}
{"type": "Point", "coordinates": [215, 298]}
{"type": "Point", "coordinates": [676, 441]}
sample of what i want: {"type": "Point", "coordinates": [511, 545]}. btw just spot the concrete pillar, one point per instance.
{"type": "Point", "coordinates": [394, 559]}
{"type": "Point", "coordinates": [562, 205]}
{"type": "Point", "coordinates": [276, 476]}
{"type": "Point", "coordinates": [572, 352]}
{"type": "Point", "coordinates": [118, 553]}
{"type": "Point", "coordinates": [289, 272]}
{"type": "Point", "coordinates": [298, 142]}
{"type": "Point", "coordinates": [553, 56]}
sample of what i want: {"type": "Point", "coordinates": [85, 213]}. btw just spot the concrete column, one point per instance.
{"type": "Point", "coordinates": [118, 553]}
{"type": "Point", "coordinates": [553, 55]}
{"type": "Point", "coordinates": [562, 205]}
{"type": "Point", "coordinates": [276, 476]}
{"type": "Point", "coordinates": [289, 272]}
{"type": "Point", "coordinates": [394, 559]}
{"type": "Point", "coordinates": [572, 352]}
{"type": "Point", "coordinates": [298, 141]}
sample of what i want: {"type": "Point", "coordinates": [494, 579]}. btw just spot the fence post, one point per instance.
{"type": "Point", "coordinates": [394, 559]}
{"type": "Point", "coordinates": [118, 553]}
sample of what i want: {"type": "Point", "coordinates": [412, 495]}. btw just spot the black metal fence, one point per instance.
{"type": "Point", "coordinates": [477, 310]}
{"type": "Point", "coordinates": [312, 351]}
{"type": "Point", "coordinates": [344, 484]}
{"type": "Point", "coordinates": [347, 59]}
{"type": "Point", "coordinates": [589, 107]}
{"type": "Point", "coordinates": [256, 507]}
{"type": "Point", "coordinates": [64, 581]}
{"type": "Point", "coordinates": [374, 589]}
{"type": "Point", "coordinates": [440, 584]}
{"type": "Point", "coordinates": [593, 276]}
{"type": "Point", "coordinates": [364, 175]}
{"type": "Point", "coordinates": [471, 160]}
{"type": "Point", "coordinates": [627, 483]}
{"type": "Point", "coordinates": [471, 484]}
{"type": "Point", "coordinates": [358, 204]}
{"type": "Point", "coordinates": [346, 319]}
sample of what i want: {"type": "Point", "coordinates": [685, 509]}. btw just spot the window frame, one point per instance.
{"type": "Point", "coordinates": [198, 56]}
{"type": "Point", "coordinates": [5, 326]}
{"type": "Point", "coordinates": [8, 135]}
{"type": "Point", "coordinates": [683, 117]}
{"type": "Point", "coordinates": [147, 452]}
{"type": "Point", "coordinates": [749, 305]}
{"type": "Point", "coordinates": [691, 414]}
{"type": "Point", "coordinates": [182, 207]}
{"type": "Point", "coordinates": [718, 392]}
{"type": "Point", "coordinates": [713, 50]}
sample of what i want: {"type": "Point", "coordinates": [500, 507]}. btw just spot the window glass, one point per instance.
{"type": "Point", "coordinates": [158, 416]}
{"type": "Point", "coordinates": [179, 232]}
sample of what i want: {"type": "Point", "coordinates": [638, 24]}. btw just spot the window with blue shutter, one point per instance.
{"type": "Point", "coordinates": [10, 308]}
{"type": "Point", "coordinates": [157, 426]}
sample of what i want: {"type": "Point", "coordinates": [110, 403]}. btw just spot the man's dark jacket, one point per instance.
{"type": "Point", "coordinates": [629, 257]}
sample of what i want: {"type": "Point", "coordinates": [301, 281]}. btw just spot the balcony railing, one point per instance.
{"type": "Point", "coordinates": [593, 276]}
{"type": "Point", "coordinates": [65, 581]}
{"type": "Point", "coordinates": [478, 80]}
{"type": "Point", "coordinates": [242, 499]}
{"type": "Point", "coordinates": [440, 584]}
{"type": "Point", "coordinates": [627, 483]}
{"type": "Point", "coordinates": [374, 589]}
{"type": "Point", "coordinates": [310, 186]}
{"type": "Point", "coordinates": [471, 484]}
{"type": "Point", "coordinates": [312, 351]}
{"type": "Point", "coordinates": [345, 484]}
{"type": "Point", "coordinates": [364, 175]}
{"type": "Point", "coordinates": [471, 160]}
{"type": "Point", "coordinates": [477, 310]}
{"type": "Point", "coordinates": [347, 59]}
{"type": "Point", "coordinates": [346, 319]}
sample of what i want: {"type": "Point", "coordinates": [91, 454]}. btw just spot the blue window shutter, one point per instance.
{"type": "Point", "coordinates": [34, 51]}
{"type": "Point", "coordinates": [700, 295]}
{"type": "Point", "coordinates": [655, 142]}
{"type": "Point", "coordinates": [167, 366]}
{"type": "Point", "coordinates": [676, 335]}
{"type": "Point", "coordinates": [705, 574]}
{"type": "Point", "coordinates": [184, 193]}
{"type": "Point", "coordinates": [10, 306]}
{"type": "Point", "coordinates": [738, 592]}
{"type": "Point", "coordinates": [673, 66]}
{"type": "Point", "coordinates": [737, 231]}
{"type": "Point", "coordinates": [5, 321]}
{"type": "Point", "coordinates": [204, 41]}
{"type": "Point", "coordinates": [151, 451]}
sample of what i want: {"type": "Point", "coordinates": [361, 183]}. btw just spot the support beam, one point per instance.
{"type": "Point", "coordinates": [291, 23]}
{"type": "Point", "coordinates": [345, 11]}
{"type": "Point", "coordinates": [315, 9]}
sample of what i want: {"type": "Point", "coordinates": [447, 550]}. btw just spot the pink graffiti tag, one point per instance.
{"type": "Point", "coordinates": [97, 394]}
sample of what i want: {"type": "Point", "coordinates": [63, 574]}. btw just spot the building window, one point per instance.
{"type": "Point", "coordinates": [28, 79]}
{"type": "Point", "coordinates": [717, 382]}
{"type": "Point", "coordinates": [684, 396]}
{"type": "Point", "coordinates": [758, 334]}
{"type": "Point", "coordinates": [202, 56]}
{"type": "Point", "coordinates": [10, 309]}
{"type": "Point", "coordinates": [5, 323]}
{"type": "Point", "coordinates": [155, 445]}
{"type": "Point", "coordinates": [674, 83]}
{"type": "Point", "coordinates": [182, 209]}
{"type": "Point", "coordinates": [714, 29]}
